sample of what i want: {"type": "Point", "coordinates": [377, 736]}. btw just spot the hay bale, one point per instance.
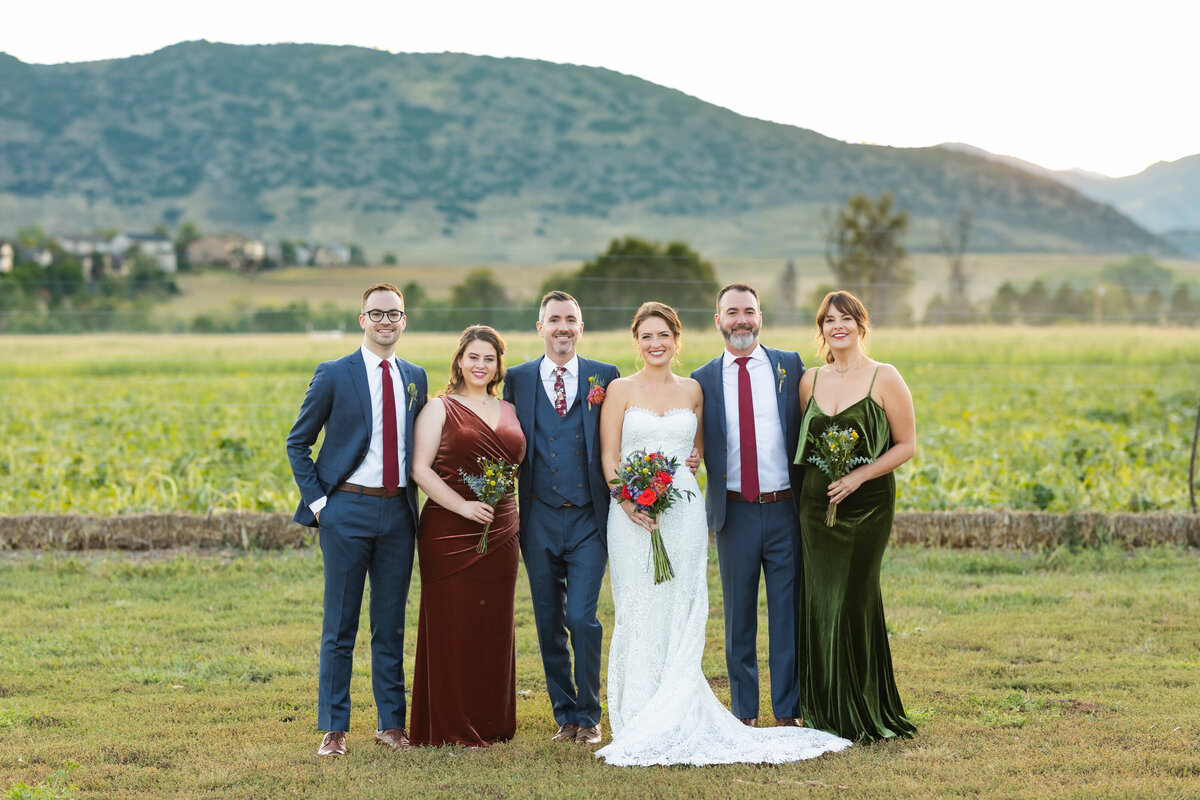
{"type": "Point", "coordinates": [1024, 530]}
{"type": "Point", "coordinates": [153, 531]}
{"type": "Point", "coordinates": [1027, 530]}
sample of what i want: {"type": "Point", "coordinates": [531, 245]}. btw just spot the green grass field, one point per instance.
{"type": "Point", "coordinates": [1037, 675]}
{"type": "Point", "coordinates": [1058, 418]}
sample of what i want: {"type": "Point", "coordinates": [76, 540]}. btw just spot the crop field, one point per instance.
{"type": "Point", "coordinates": [1056, 418]}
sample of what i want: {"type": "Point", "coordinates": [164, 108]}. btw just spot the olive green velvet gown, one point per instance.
{"type": "Point", "coordinates": [846, 682]}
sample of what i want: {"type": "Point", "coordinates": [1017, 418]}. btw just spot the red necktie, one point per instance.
{"type": "Point", "coordinates": [560, 392]}
{"type": "Point", "coordinates": [391, 453]}
{"type": "Point", "coordinates": [749, 446]}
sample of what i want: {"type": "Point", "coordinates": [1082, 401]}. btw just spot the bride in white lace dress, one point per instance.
{"type": "Point", "coordinates": [660, 706]}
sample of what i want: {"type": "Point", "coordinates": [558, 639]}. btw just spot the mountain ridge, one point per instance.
{"type": "Point", "coordinates": [473, 157]}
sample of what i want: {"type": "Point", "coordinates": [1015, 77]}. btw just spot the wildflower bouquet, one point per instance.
{"type": "Point", "coordinates": [648, 481]}
{"type": "Point", "coordinates": [834, 455]}
{"type": "Point", "coordinates": [495, 480]}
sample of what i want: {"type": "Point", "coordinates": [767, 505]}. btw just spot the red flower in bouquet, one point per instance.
{"type": "Point", "coordinates": [647, 497]}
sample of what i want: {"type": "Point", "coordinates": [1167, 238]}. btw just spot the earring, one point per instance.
{"type": "Point", "coordinates": [638, 358]}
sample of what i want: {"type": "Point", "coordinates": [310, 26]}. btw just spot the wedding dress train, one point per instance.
{"type": "Point", "coordinates": [660, 707]}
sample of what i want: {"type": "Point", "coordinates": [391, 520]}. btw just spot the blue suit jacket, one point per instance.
{"type": "Point", "coordinates": [715, 448]}
{"type": "Point", "coordinates": [521, 385]}
{"type": "Point", "coordinates": [339, 400]}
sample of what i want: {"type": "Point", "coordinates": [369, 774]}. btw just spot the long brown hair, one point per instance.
{"type": "Point", "coordinates": [476, 333]}
{"type": "Point", "coordinates": [846, 303]}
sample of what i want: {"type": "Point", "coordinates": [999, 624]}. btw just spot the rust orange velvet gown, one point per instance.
{"type": "Point", "coordinates": [464, 684]}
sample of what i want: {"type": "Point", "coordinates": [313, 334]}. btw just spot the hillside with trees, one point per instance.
{"type": "Point", "coordinates": [460, 158]}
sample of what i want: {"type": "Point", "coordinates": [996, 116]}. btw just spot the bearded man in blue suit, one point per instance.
{"type": "Point", "coordinates": [751, 426]}
{"type": "Point", "coordinates": [359, 495]}
{"type": "Point", "coordinates": [563, 498]}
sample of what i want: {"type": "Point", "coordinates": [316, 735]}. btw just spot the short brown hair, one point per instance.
{"type": "Point", "coordinates": [557, 294]}
{"type": "Point", "coordinates": [848, 304]}
{"type": "Point", "coordinates": [736, 287]}
{"type": "Point", "coordinates": [380, 287]}
{"type": "Point", "coordinates": [476, 333]}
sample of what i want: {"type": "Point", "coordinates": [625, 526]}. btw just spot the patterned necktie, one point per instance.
{"type": "Point", "coordinates": [749, 445]}
{"type": "Point", "coordinates": [560, 392]}
{"type": "Point", "coordinates": [391, 453]}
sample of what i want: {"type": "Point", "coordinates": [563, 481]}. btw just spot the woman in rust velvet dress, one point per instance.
{"type": "Point", "coordinates": [464, 684]}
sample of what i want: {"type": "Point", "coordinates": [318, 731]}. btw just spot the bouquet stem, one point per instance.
{"type": "Point", "coordinates": [662, 564]}
{"type": "Point", "coordinates": [482, 546]}
{"type": "Point", "coordinates": [831, 514]}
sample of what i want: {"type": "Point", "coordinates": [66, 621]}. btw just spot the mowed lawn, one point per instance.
{"type": "Point", "coordinates": [1050, 674]}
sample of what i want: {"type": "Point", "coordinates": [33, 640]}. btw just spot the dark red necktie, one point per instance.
{"type": "Point", "coordinates": [560, 391]}
{"type": "Point", "coordinates": [749, 446]}
{"type": "Point", "coordinates": [391, 453]}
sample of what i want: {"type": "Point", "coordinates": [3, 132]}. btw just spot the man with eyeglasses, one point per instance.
{"type": "Point", "coordinates": [358, 494]}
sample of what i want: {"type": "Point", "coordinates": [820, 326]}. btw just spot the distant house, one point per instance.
{"type": "Point", "coordinates": [95, 253]}
{"type": "Point", "coordinates": [227, 250]}
{"type": "Point", "coordinates": [6, 256]}
{"type": "Point", "coordinates": [330, 254]}
{"type": "Point", "coordinates": [156, 245]}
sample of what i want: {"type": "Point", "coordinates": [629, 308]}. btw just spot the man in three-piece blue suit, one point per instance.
{"type": "Point", "coordinates": [751, 426]}
{"type": "Point", "coordinates": [563, 499]}
{"type": "Point", "coordinates": [358, 494]}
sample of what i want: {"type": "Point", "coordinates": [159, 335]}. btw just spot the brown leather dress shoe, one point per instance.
{"type": "Point", "coordinates": [334, 744]}
{"type": "Point", "coordinates": [566, 733]}
{"type": "Point", "coordinates": [394, 738]}
{"type": "Point", "coordinates": [588, 735]}
{"type": "Point", "coordinates": [788, 722]}
{"type": "Point", "coordinates": [749, 722]}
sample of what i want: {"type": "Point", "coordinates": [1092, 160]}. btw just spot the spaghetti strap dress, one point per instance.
{"type": "Point", "coordinates": [846, 681]}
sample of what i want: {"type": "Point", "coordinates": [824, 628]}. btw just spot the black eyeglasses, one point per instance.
{"type": "Point", "coordinates": [376, 315]}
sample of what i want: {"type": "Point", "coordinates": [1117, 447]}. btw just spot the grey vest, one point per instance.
{"type": "Point", "coordinates": [560, 465]}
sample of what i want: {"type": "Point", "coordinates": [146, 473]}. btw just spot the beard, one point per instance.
{"type": "Point", "coordinates": [741, 338]}
{"type": "Point", "coordinates": [562, 347]}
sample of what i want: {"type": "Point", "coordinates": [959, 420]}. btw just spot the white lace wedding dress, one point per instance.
{"type": "Point", "coordinates": [660, 707]}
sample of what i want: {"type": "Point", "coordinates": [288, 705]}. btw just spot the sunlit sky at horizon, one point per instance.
{"type": "Point", "coordinates": [1060, 83]}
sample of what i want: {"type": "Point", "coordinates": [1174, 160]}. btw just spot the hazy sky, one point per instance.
{"type": "Point", "coordinates": [1105, 86]}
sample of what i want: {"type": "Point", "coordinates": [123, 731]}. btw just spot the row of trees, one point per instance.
{"type": "Point", "coordinates": [865, 254]}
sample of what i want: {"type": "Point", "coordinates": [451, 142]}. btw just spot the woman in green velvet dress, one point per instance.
{"type": "Point", "coordinates": [846, 682]}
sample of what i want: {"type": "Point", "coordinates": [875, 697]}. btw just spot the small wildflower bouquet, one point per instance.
{"type": "Point", "coordinates": [495, 480]}
{"type": "Point", "coordinates": [648, 481]}
{"type": "Point", "coordinates": [595, 395]}
{"type": "Point", "coordinates": [834, 455]}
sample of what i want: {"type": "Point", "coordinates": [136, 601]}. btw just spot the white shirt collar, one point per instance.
{"type": "Point", "coordinates": [549, 366]}
{"type": "Point", "coordinates": [372, 360]}
{"type": "Point", "coordinates": [757, 354]}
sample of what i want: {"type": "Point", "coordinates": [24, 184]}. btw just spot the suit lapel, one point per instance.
{"type": "Point", "coordinates": [590, 415]}
{"type": "Point", "coordinates": [531, 402]}
{"type": "Point", "coordinates": [717, 393]}
{"type": "Point", "coordinates": [402, 397]}
{"type": "Point", "coordinates": [780, 400]}
{"type": "Point", "coordinates": [358, 376]}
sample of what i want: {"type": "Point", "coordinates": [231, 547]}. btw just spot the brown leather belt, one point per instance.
{"type": "Point", "coordinates": [373, 491]}
{"type": "Point", "coordinates": [765, 497]}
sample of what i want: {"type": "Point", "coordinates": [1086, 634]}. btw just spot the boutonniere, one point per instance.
{"type": "Point", "coordinates": [780, 373]}
{"type": "Point", "coordinates": [595, 395]}
{"type": "Point", "coordinates": [412, 395]}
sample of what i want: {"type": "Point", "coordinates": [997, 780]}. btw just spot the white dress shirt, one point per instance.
{"type": "Point", "coordinates": [768, 431]}
{"type": "Point", "coordinates": [370, 471]}
{"type": "Point", "coordinates": [570, 379]}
